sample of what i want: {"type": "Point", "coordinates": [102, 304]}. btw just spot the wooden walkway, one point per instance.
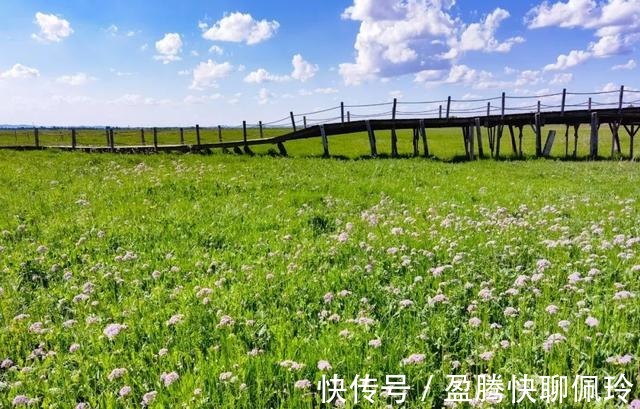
{"type": "Point", "coordinates": [496, 127]}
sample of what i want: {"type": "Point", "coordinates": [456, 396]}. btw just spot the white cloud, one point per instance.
{"type": "Point", "coordinates": [458, 74]}
{"type": "Point", "coordinates": [481, 36]}
{"type": "Point", "coordinates": [19, 71]}
{"type": "Point", "coordinates": [75, 79]}
{"type": "Point", "coordinates": [169, 48]}
{"type": "Point", "coordinates": [563, 62]}
{"type": "Point", "coordinates": [325, 91]}
{"type": "Point", "coordinates": [137, 99]}
{"type": "Point", "coordinates": [265, 96]}
{"type": "Point", "coordinates": [302, 70]}
{"type": "Point", "coordinates": [399, 37]}
{"type": "Point", "coordinates": [562, 78]}
{"type": "Point", "coordinates": [201, 99]}
{"type": "Point", "coordinates": [112, 30]}
{"type": "Point", "coordinates": [53, 29]}
{"type": "Point", "coordinates": [214, 49]}
{"type": "Point", "coordinates": [261, 75]}
{"type": "Point", "coordinates": [631, 64]}
{"type": "Point", "coordinates": [238, 27]}
{"type": "Point", "coordinates": [528, 77]}
{"type": "Point", "coordinates": [616, 22]}
{"type": "Point", "coordinates": [207, 73]}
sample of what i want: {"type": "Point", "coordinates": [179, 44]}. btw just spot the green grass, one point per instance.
{"type": "Point", "coordinates": [268, 238]}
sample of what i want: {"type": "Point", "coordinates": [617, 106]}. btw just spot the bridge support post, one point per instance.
{"type": "Point", "coordinates": [423, 134]}
{"type": "Point", "coordinates": [521, 154]}
{"type": "Point", "coordinates": [282, 149]}
{"type": "Point", "coordinates": [478, 137]}
{"type": "Point", "coordinates": [538, 130]}
{"type": "Point", "coordinates": [514, 147]}
{"type": "Point", "coordinates": [325, 142]}
{"type": "Point", "coordinates": [465, 141]}
{"type": "Point", "coordinates": [155, 139]}
{"type": "Point", "coordinates": [73, 138]}
{"type": "Point", "coordinates": [181, 136]}
{"type": "Point", "coordinates": [576, 128]}
{"type": "Point", "coordinates": [372, 139]}
{"type": "Point", "coordinates": [593, 142]}
{"type": "Point", "coordinates": [632, 130]}
{"type": "Point", "coordinates": [111, 140]}
{"type": "Point", "coordinates": [246, 148]}
{"type": "Point", "coordinates": [498, 140]}
{"type": "Point", "coordinates": [142, 141]}
{"type": "Point", "coordinates": [615, 140]}
{"type": "Point", "coordinates": [394, 136]}
{"type": "Point", "coordinates": [566, 142]}
{"type": "Point", "coordinates": [416, 142]}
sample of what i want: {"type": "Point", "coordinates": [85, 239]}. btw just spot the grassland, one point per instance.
{"type": "Point", "coordinates": [223, 281]}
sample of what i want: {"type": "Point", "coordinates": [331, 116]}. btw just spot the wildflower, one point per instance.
{"type": "Point", "coordinates": [324, 365]}
{"type": "Point", "coordinates": [623, 295]}
{"type": "Point", "coordinates": [592, 322]}
{"type": "Point", "coordinates": [302, 384]}
{"type": "Point", "coordinates": [225, 321]}
{"type": "Point", "coordinates": [574, 278]}
{"type": "Point", "coordinates": [117, 374]}
{"type": "Point", "coordinates": [620, 360]}
{"type": "Point", "coordinates": [413, 359]}
{"type": "Point", "coordinates": [528, 325]}
{"type": "Point", "coordinates": [551, 309]}
{"type": "Point", "coordinates": [542, 265]}
{"type": "Point", "coordinates": [392, 250]}
{"type": "Point", "coordinates": [437, 299]}
{"type": "Point", "coordinates": [487, 356]}
{"type": "Point", "coordinates": [74, 347]}
{"type": "Point", "coordinates": [175, 319]}
{"type": "Point", "coordinates": [6, 364]}
{"type": "Point", "coordinates": [20, 400]}
{"type": "Point", "coordinates": [83, 405]}
{"type": "Point", "coordinates": [475, 322]}
{"type": "Point", "coordinates": [148, 398]}
{"type": "Point", "coordinates": [564, 324]}
{"type": "Point", "coordinates": [292, 365]}
{"type": "Point", "coordinates": [36, 328]}
{"type": "Point", "coordinates": [396, 231]}
{"type": "Point", "coordinates": [163, 352]}
{"type": "Point", "coordinates": [406, 303]}
{"type": "Point", "coordinates": [375, 343]}
{"type": "Point", "coordinates": [343, 237]}
{"type": "Point", "coordinates": [504, 344]}
{"type": "Point", "coordinates": [112, 330]}
{"type": "Point", "coordinates": [124, 391]}
{"type": "Point", "coordinates": [328, 297]}
{"type": "Point", "coordinates": [552, 340]}
{"type": "Point", "coordinates": [169, 378]}
{"type": "Point", "coordinates": [485, 294]}
{"type": "Point", "coordinates": [345, 333]}
{"type": "Point", "coordinates": [224, 376]}
{"type": "Point", "coordinates": [510, 312]}
{"type": "Point", "coordinates": [42, 249]}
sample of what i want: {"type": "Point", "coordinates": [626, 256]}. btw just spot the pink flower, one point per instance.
{"type": "Point", "coordinates": [635, 404]}
{"type": "Point", "coordinates": [343, 237]}
{"type": "Point", "coordinates": [148, 398]}
{"type": "Point", "coordinates": [124, 391]}
{"type": "Point", "coordinates": [487, 356]}
{"type": "Point", "coordinates": [328, 297]}
{"type": "Point", "coordinates": [6, 364]}
{"type": "Point", "coordinates": [510, 312]}
{"type": "Point", "coordinates": [375, 343]}
{"type": "Point", "coordinates": [324, 365]}
{"type": "Point", "coordinates": [406, 303]}
{"type": "Point", "coordinates": [74, 347]}
{"type": "Point", "coordinates": [564, 324]}
{"type": "Point", "coordinates": [20, 400]}
{"type": "Point", "coordinates": [169, 378]}
{"type": "Point", "coordinates": [551, 309]}
{"type": "Point", "coordinates": [225, 321]}
{"type": "Point", "coordinates": [552, 340]}
{"type": "Point", "coordinates": [413, 359]}
{"type": "Point", "coordinates": [112, 330]}
{"type": "Point", "coordinates": [224, 376]}
{"type": "Point", "coordinates": [438, 298]}
{"type": "Point", "coordinates": [83, 405]}
{"type": "Point", "coordinates": [175, 319]}
{"type": "Point", "coordinates": [592, 322]}
{"type": "Point", "coordinates": [475, 322]}
{"type": "Point", "coordinates": [302, 384]}
{"type": "Point", "coordinates": [117, 374]}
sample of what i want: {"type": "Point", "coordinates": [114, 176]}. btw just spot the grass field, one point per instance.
{"type": "Point", "coordinates": [444, 144]}
{"type": "Point", "coordinates": [224, 281]}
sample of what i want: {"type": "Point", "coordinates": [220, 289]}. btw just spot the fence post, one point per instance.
{"type": "Point", "coordinates": [538, 107]}
{"type": "Point", "coordinates": [244, 133]}
{"type": "Point", "coordinates": [503, 105]}
{"type": "Point", "coordinates": [111, 140]}
{"type": "Point", "coordinates": [325, 142]}
{"type": "Point", "coordinates": [198, 134]}
{"type": "Point", "coordinates": [564, 100]}
{"type": "Point", "coordinates": [538, 126]}
{"type": "Point", "coordinates": [293, 121]}
{"type": "Point", "coordinates": [181, 136]}
{"type": "Point", "coordinates": [219, 133]}
{"type": "Point", "coordinates": [448, 106]}
{"type": "Point", "coordinates": [394, 136]}
{"type": "Point", "coordinates": [589, 104]}
{"type": "Point", "coordinates": [348, 116]}
{"type": "Point", "coordinates": [621, 101]}
{"type": "Point", "coordinates": [106, 132]}
{"type": "Point", "coordinates": [304, 121]}
{"type": "Point", "coordinates": [73, 138]}
{"type": "Point", "coordinates": [142, 136]}
{"type": "Point", "coordinates": [260, 126]}
{"type": "Point", "coordinates": [36, 137]}
{"type": "Point", "coordinates": [440, 112]}
{"type": "Point", "coordinates": [342, 111]}
{"type": "Point", "coordinates": [155, 138]}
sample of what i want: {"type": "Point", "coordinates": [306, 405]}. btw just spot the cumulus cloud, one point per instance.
{"type": "Point", "coordinates": [459, 75]}
{"type": "Point", "coordinates": [265, 96]}
{"type": "Point", "coordinates": [53, 29]}
{"type": "Point", "coordinates": [563, 62]}
{"type": "Point", "coordinates": [214, 49]}
{"type": "Point", "coordinates": [19, 71]}
{"type": "Point", "coordinates": [631, 64]}
{"type": "Point", "coordinates": [481, 36]}
{"type": "Point", "coordinates": [137, 99]}
{"type": "Point", "coordinates": [76, 79]}
{"type": "Point", "coordinates": [239, 27]}
{"type": "Point", "coordinates": [302, 70]}
{"type": "Point", "coordinates": [206, 74]}
{"type": "Point", "coordinates": [616, 23]}
{"type": "Point", "coordinates": [562, 78]}
{"type": "Point", "coordinates": [407, 36]}
{"type": "Point", "coordinates": [169, 48]}
{"type": "Point", "coordinates": [261, 75]}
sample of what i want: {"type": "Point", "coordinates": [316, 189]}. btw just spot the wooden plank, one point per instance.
{"type": "Point", "coordinates": [503, 105]}
{"type": "Point", "coordinates": [498, 139]}
{"type": "Point", "coordinates": [566, 142]}
{"type": "Point", "coordinates": [564, 100]}
{"type": "Point", "coordinates": [142, 141]}
{"type": "Point", "coordinates": [448, 106]}
{"type": "Point", "coordinates": [394, 136]}
{"type": "Point", "coordinates": [111, 140]}
{"type": "Point", "coordinates": [551, 137]}
{"type": "Point", "coordinates": [593, 142]}
{"type": "Point", "coordinates": [198, 135]}
{"type": "Point", "coordinates": [155, 138]}
{"type": "Point", "coordinates": [325, 142]}
{"type": "Point", "coordinates": [293, 121]}
{"type": "Point", "coordinates": [36, 137]}
{"type": "Point", "coordinates": [372, 139]}
{"type": "Point", "coordinates": [73, 139]}
{"type": "Point", "coordinates": [521, 154]}
{"type": "Point", "coordinates": [416, 141]}
{"type": "Point", "coordinates": [304, 121]}
{"type": "Point", "coordinates": [615, 140]}
{"type": "Point", "coordinates": [244, 135]}
{"type": "Point", "coordinates": [282, 149]}
{"type": "Point", "coordinates": [620, 101]}
{"type": "Point", "coordinates": [514, 147]}
{"type": "Point", "coordinates": [261, 132]}
{"type": "Point", "coordinates": [465, 141]}
{"type": "Point", "coordinates": [342, 112]}
{"type": "Point", "coordinates": [576, 129]}
{"type": "Point", "coordinates": [219, 133]}
{"type": "Point", "coordinates": [108, 138]}
{"type": "Point", "coordinates": [181, 136]}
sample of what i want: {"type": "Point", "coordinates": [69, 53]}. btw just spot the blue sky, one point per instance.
{"type": "Point", "coordinates": [135, 63]}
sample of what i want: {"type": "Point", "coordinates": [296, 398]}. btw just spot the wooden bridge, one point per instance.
{"type": "Point", "coordinates": [623, 117]}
